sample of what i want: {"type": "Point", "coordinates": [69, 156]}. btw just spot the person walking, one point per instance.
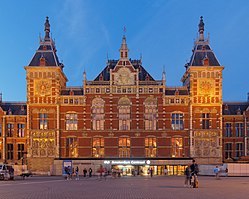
{"type": "Point", "coordinates": [90, 172]}
{"type": "Point", "coordinates": [84, 172]}
{"type": "Point", "coordinates": [194, 169]}
{"type": "Point", "coordinates": [151, 172]}
{"type": "Point", "coordinates": [187, 177]}
{"type": "Point", "coordinates": [216, 172]}
{"type": "Point", "coordinates": [77, 173]}
{"type": "Point", "coordinates": [165, 171]}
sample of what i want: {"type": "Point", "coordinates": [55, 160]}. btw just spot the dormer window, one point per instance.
{"type": "Point", "coordinates": [101, 77]}
{"type": "Point", "coordinates": [147, 78]}
{"type": "Point", "coordinates": [205, 61]}
{"type": "Point", "coordinates": [71, 92]}
{"type": "Point", "coordinates": [42, 61]}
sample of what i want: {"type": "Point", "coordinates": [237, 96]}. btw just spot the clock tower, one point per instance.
{"type": "Point", "coordinates": [203, 78]}
{"type": "Point", "coordinates": [45, 80]}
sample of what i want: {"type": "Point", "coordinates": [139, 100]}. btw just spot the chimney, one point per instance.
{"type": "Point", "coordinates": [1, 95]}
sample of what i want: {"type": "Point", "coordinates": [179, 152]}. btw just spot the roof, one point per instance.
{"type": "Point", "coordinates": [202, 55]}
{"type": "Point", "coordinates": [137, 64]}
{"type": "Point", "coordinates": [176, 91]}
{"type": "Point", "coordinates": [234, 108]}
{"type": "Point", "coordinates": [72, 91]}
{"type": "Point", "coordinates": [202, 51]}
{"type": "Point", "coordinates": [46, 51]}
{"type": "Point", "coordinates": [14, 108]}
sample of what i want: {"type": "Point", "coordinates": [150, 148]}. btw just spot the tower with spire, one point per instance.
{"type": "Point", "coordinates": [203, 78]}
{"type": "Point", "coordinates": [45, 80]}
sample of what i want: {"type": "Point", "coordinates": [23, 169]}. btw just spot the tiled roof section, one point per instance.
{"type": "Point", "coordinates": [50, 58]}
{"type": "Point", "coordinates": [137, 64]}
{"type": "Point", "coordinates": [202, 51]}
{"type": "Point", "coordinates": [14, 108]}
{"type": "Point", "coordinates": [176, 91]}
{"type": "Point", "coordinates": [234, 108]}
{"type": "Point", "coordinates": [46, 51]}
{"type": "Point", "coordinates": [72, 91]}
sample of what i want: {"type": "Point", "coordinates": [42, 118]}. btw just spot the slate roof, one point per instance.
{"type": "Point", "coordinates": [14, 108]}
{"type": "Point", "coordinates": [234, 108]}
{"type": "Point", "coordinates": [137, 64]}
{"type": "Point", "coordinates": [176, 90]}
{"type": "Point", "coordinates": [72, 91]}
{"type": "Point", "coordinates": [201, 51]}
{"type": "Point", "coordinates": [46, 50]}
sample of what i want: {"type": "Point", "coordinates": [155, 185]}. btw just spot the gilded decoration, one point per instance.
{"type": "Point", "coordinates": [206, 86]}
{"type": "Point", "coordinates": [124, 77]}
{"type": "Point", "coordinates": [43, 144]}
{"type": "Point", "coordinates": [43, 87]}
{"type": "Point", "coordinates": [206, 144]}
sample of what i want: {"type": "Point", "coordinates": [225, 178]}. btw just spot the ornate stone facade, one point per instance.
{"type": "Point", "coordinates": [122, 113]}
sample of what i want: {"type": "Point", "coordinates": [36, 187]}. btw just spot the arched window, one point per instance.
{"type": "Point", "coordinates": [71, 121]}
{"type": "Point", "coordinates": [98, 115]}
{"type": "Point", "coordinates": [177, 122]}
{"type": "Point", "coordinates": [124, 113]}
{"type": "Point", "coordinates": [98, 145]}
{"type": "Point", "coordinates": [124, 144]}
{"type": "Point", "coordinates": [150, 146]}
{"type": "Point", "coordinates": [150, 115]}
{"type": "Point", "coordinates": [176, 147]}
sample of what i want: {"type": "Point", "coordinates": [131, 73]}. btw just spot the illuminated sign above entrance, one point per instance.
{"type": "Point", "coordinates": [127, 162]}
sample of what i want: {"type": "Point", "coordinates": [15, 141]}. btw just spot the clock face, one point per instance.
{"type": "Point", "coordinates": [42, 87]}
{"type": "Point", "coordinates": [206, 87]}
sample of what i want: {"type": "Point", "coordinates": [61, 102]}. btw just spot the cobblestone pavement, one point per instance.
{"type": "Point", "coordinates": [124, 187]}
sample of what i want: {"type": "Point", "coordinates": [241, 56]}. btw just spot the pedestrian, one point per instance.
{"type": "Point", "coordinates": [165, 171]}
{"type": "Point", "coordinates": [194, 169]}
{"type": "Point", "coordinates": [77, 173]}
{"type": "Point", "coordinates": [226, 172]}
{"type": "Point", "coordinates": [90, 172]}
{"type": "Point", "coordinates": [216, 172]}
{"type": "Point", "coordinates": [187, 177]}
{"type": "Point", "coordinates": [151, 172]}
{"type": "Point", "coordinates": [84, 172]}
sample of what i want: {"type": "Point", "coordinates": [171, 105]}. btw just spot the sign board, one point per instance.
{"type": "Point", "coordinates": [66, 163]}
{"type": "Point", "coordinates": [127, 162]}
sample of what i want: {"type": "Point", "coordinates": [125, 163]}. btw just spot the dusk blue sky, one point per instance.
{"type": "Point", "coordinates": [162, 31]}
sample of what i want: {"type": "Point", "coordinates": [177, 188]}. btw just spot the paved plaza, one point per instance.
{"type": "Point", "coordinates": [125, 187]}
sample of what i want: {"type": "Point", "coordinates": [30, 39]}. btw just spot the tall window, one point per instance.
{"type": "Point", "coordinates": [10, 130]}
{"type": "Point", "coordinates": [71, 121]}
{"type": "Point", "coordinates": [239, 149]}
{"type": "Point", "coordinates": [228, 150]}
{"type": "Point", "coordinates": [71, 147]}
{"type": "Point", "coordinates": [150, 115]}
{"type": "Point", "coordinates": [177, 147]}
{"type": "Point", "coordinates": [10, 151]}
{"type": "Point", "coordinates": [98, 115]}
{"type": "Point", "coordinates": [177, 121]}
{"type": "Point", "coordinates": [0, 130]}
{"type": "Point", "coordinates": [43, 121]}
{"type": "Point", "coordinates": [98, 147]}
{"type": "Point", "coordinates": [124, 113]}
{"type": "Point", "coordinates": [205, 121]}
{"type": "Point", "coordinates": [150, 147]}
{"type": "Point", "coordinates": [124, 144]}
{"type": "Point", "coordinates": [228, 130]}
{"type": "Point", "coordinates": [20, 151]}
{"type": "Point", "coordinates": [239, 129]}
{"type": "Point", "coordinates": [20, 130]}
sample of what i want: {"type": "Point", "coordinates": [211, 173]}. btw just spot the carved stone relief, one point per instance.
{"type": "Point", "coordinates": [43, 144]}
{"type": "Point", "coordinates": [206, 144]}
